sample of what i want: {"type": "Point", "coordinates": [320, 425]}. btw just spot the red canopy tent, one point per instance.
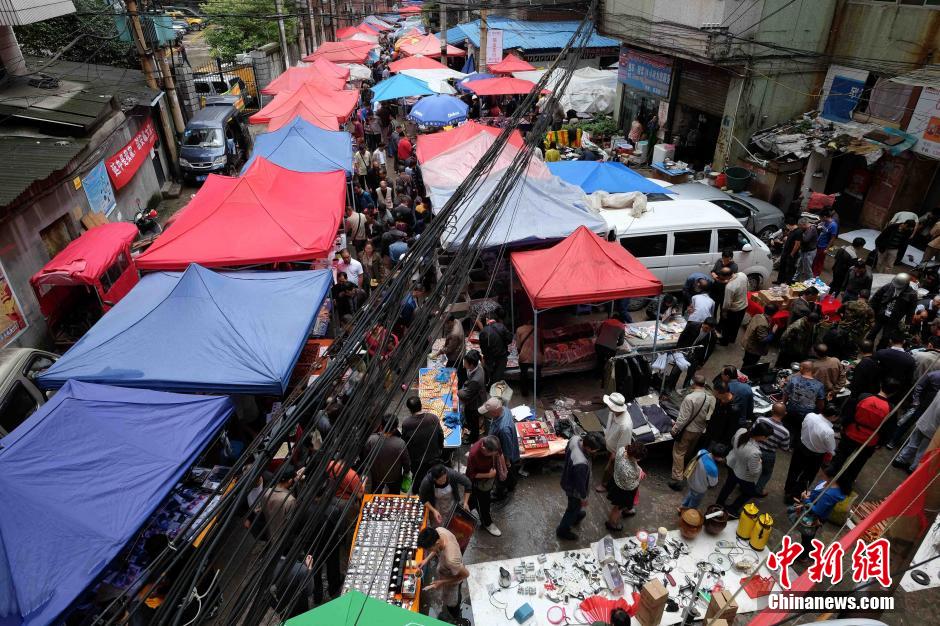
{"type": "Point", "coordinates": [581, 269]}
{"type": "Point", "coordinates": [416, 62]}
{"type": "Point", "coordinates": [325, 73]}
{"type": "Point", "coordinates": [346, 31]}
{"type": "Point", "coordinates": [323, 101]}
{"type": "Point", "coordinates": [342, 51]}
{"type": "Point", "coordinates": [315, 117]}
{"type": "Point", "coordinates": [100, 259]}
{"type": "Point", "coordinates": [267, 215]}
{"type": "Point", "coordinates": [429, 146]}
{"type": "Point", "coordinates": [510, 63]}
{"type": "Point", "coordinates": [409, 10]}
{"type": "Point", "coordinates": [503, 86]}
{"type": "Point", "coordinates": [429, 46]}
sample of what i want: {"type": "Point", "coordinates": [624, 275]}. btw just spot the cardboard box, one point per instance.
{"type": "Point", "coordinates": [654, 594]}
{"type": "Point", "coordinates": [647, 616]}
{"type": "Point", "coordinates": [722, 605]}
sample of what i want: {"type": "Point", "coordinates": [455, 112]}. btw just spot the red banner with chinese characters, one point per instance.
{"type": "Point", "coordinates": [123, 165]}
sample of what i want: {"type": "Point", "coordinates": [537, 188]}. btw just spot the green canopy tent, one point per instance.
{"type": "Point", "coordinates": [356, 609]}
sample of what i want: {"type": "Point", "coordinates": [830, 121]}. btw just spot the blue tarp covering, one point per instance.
{"type": "Point", "coordinates": [80, 477]}
{"type": "Point", "coordinates": [527, 35]}
{"type": "Point", "coordinates": [199, 331]}
{"type": "Point", "coordinates": [302, 147]}
{"type": "Point", "coordinates": [400, 86]}
{"type": "Point", "coordinates": [606, 176]}
{"type": "Point", "coordinates": [535, 209]}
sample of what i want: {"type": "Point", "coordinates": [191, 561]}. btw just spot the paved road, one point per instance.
{"type": "Point", "coordinates": [197, 51]}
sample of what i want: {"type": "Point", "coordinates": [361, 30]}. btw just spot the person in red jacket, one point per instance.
{"type": "Point", "coordinates": [404, 146]}
{"type": "Point", "coordinates": [864, 433]}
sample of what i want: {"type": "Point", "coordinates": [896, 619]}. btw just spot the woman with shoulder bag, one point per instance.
{"type": "Point", "coordinates": [482, 470]}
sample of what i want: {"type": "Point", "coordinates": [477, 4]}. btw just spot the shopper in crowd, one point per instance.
{"type": "Point", "coordinates": [441, 490]}
{"type": "Point", "coordinates": [726, 419]}
{"type": "Point", "coordinates": [503, 427]}
{"type": "Point", "coordinates": [843, 267]}
{"type": "Point", "coordinates": [472, 394]}
{"type": "Point", "coordinates": [804, 305]}
{"type": "Point", "coordinates": [742, 393]}
{"type": "Point", "coordinates": [726, 261]}
{"type": "Point", "coordinates": [802, 394]}
{"type": "Point", "coordinates": [807, 249]}
{"type": "Point", "coordinates": [351, 267]}
{"type": "Point", "coordinates": [828, 231]}
{"type": "Point", "coordinates": [701, 474]}
{"type": "Point", "coordinates": [779, 439]}
{"type": "Point", "coordinates": [928, 359]}
{"type": "Point", "coordinates": [552, 155]}
{"type": "Point", "coordinates": [441, 544]}
{"type": "Point", "coordinates": [694, 413]}
{"type": "Point", "coordinates": [424, 439]}
{"type": "Point", "coordinates": [864, 432]}
{"type": "Point", "coordinates": [700, 339]}
{"type": "Point", "coordinates": [790, 252]}
{"type": "Point", "coordinates": [814, 446]}
{"type": "Point", "coordinates": [814, 509]}
{"type": "Point", "coordinates": [744, 467]}
{"type": "Point", "coordinates": [734, 306]}
{"type": "Point", "coordinates": [866, 375]}
{"type": "Point", "coordinates": [618, 433]}
{"type": "Point", "coordinates": [576, 481]}
{"type": "Point", "coordinates": [482, 472]}
{"type": "Point", "coordinates": [828, 370]}
{"type": "Point", "coordinates": [701, 306]}
{"type": "Point", "coordinates": [455, 342]}
{"type": "Point", "coordinates": [494, 344]}
{"type": "Point", "coordinates": [384, 196]}
{"type": "Point", "coordinates": [924, 392]}
{"type": "Point", "coordinates": [897, 362]}
{"type": "Point", "coordinates": [389, 458]}
{"type": "Point", "coordinates": [623, 483]}
{"type": "Point", "coordinates": [893, 305]}
{"type": "Point", "coordinates": [891, 244]}
{"type": "Point", "coordinates": [798, 340]}
{"type": "Point", "coordinates": [760, 332]}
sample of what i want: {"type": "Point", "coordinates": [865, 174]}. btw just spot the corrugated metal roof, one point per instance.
{"type": "Point", "coordinates": [126, 85]}
{"type": "Point", "coordinates": [31, 160]}
{"type": "Point", "coordinates": [527, 35]}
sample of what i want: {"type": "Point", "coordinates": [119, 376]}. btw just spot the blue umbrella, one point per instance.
{"type": "Point", "coordinates": [468, 67]}
{"type": "Point", "coordinates": [439, 110]}
{"type": "Point", "coordinates": [462, 83]}
{"type": "Point", "coordinates": [400, 86]}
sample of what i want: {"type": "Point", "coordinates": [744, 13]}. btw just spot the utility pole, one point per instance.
{"type": "Point", "coordinates": [483, 35]}
{"type": "Point", "coordinates": [333, 19]}
{"type": "Point", "coordinates": [169, 84]}
{"type": "Point", "coordinates": [146, 64]}
{"type": "Point", "coordinates": [314, 36]}
{"type": "Point", "coordinates": [301, 27]}
{"type": "Point", "coordinates": [282, 33]}
{"type": "Point", "coordinates": [443, 33]}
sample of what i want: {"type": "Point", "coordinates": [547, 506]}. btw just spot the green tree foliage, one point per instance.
{"type": "Point", "coordinates": [45, 39]}
{"type": "Point", "coordinates": [237, 26]}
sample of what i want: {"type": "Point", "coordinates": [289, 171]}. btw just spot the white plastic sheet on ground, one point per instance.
{"type": "Point", "coordinates": [590, 90]}
{"type": "Point", "coordinates": [358, 71]}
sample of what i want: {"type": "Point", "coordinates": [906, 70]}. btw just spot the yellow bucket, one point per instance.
{"type": "Point", "coordinates": [747, 520]}
{"type": "Point", "coordinates": [760, 534]}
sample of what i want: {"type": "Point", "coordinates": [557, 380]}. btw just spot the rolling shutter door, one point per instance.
{"type": "Point", "coordinates": [703, 87]}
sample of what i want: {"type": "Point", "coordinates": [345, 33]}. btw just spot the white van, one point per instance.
{"type": "Point", "coordinates": [676, 238]}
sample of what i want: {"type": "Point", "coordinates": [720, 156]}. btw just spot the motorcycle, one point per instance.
{"type": "Point", "coordinates": [147, 224]}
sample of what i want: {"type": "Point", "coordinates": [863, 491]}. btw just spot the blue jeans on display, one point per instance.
{"type": "Point", "coordinates": [692, 500]}
{"type": "Point", "coordinates": [767, 469]}
{"type": "Point", "coordinates": [570, 516]}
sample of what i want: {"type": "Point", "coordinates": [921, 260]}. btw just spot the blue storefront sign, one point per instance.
{"type": "Point", "coordinates": [649, 73]}
{"type": "Point", "coordinates": [98, 190]}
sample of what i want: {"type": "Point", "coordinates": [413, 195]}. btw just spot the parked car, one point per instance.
{"type": "Point", "coordinates": [180, 28]}
{"type": "Point", "coordinates": [759, 217]}
{"type": "Point", "coordinates": [20, 397]}
{"type": "Point", "coordinates": [180, 14]}
{"type": "Point", "coordinates": [678, 237]}
{"type": "Point", "coordinates": [215, 141]}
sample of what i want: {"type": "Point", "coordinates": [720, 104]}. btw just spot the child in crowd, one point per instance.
{"type": "Point", "coordinates": [701, 474]}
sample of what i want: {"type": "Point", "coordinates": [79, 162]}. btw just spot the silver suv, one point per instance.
{"type": "Point", "coordinates": [759, 217]}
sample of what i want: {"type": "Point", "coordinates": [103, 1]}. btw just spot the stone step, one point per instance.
{"type": "Point", "coordinates": [171, 189]}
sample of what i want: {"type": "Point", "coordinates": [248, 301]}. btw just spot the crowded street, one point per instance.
{"type": "Point", "coordinates": [431, 313]}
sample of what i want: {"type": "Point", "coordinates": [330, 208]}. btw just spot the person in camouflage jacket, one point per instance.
{"type": "Point", "coordinates": [858, 318]}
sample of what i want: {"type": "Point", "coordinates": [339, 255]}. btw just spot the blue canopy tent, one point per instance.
{"type": "Point", "coordinates": [534, 209]}
{"type": "Point", "coordinates": [80, 477]}
{"type": "Point", "coordinates": [200, 331]}
{"type": "Point", "coordinates": [606, 176]}
{"type": "Point", "coordinates": [303, 147]}
{"type": "Point", "coordinates": [400, 86]}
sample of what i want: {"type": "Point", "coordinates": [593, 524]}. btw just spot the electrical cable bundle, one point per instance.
{"type": "Point", "coordinates": [309, 525]}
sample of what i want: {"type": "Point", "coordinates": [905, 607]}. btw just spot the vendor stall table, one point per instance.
{"type": "Point", "coordinates": [828, 305]}
{"type": "Point", "coordinates": [639, 335]}
{"type": "Point", "coordinates": [672, 175]}
{"type": "Point", "coordinates": [492, 608]}
{"type": "Point", "coordinates": [384, 543]}
{"type": "Point", "coordinates": [437, 388]}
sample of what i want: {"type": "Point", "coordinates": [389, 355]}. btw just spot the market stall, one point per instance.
{"type": "Point", "coordinates": [86, 279]}
{"type": "Point", "coordinates": [338, 103]}
{"type": "Point", "coordinates": [243, 333]}
{"type": "Point", "coordinates": [301, 146]}
{"type": "Point", "coordinates": [565, 579]}
{"type": "Point", "coordinates": [322, 71]}
{"type": "Point", "coordinates": [581, 269]}
{"type": "Point", "coordinates": [782, 296]}
{"type": "Point", "coordinates": [437, 389]}
{"type": "Point", "coordinates": [384, 554]}
{"type": "Point", "coordinates": [67, 516]}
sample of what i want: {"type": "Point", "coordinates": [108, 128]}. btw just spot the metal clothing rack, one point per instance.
{"type": "Point", "coordinates": [662, 383]}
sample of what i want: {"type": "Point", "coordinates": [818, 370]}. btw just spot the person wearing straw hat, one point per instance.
{"type": "Point", "coordinates": [618, 433]}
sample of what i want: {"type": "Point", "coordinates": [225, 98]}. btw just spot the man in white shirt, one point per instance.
{"type": "Point", "coordinates": [701, 308]}
{"type": "Point", "coordinates": [816, 441]}
{"type": "Point", "coordinates": [618, 433]}
{"type": "Point", "coordinates": [734, 306]}
{"type": "Point", "coordinates": [351, 267]}
{"type": "Point", "coordinates": [361, 164]}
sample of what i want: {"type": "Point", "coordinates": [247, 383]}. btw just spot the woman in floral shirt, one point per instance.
{"type": "Point", "coordinates": [621, 488]}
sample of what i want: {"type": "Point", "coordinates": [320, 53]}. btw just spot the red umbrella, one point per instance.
{"type": "Point", "coordinates": [417, 62]}
{"type": "Point", "coordinates": [510, 63]}
{"type": "Point", "coordinates": [501, 86]}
